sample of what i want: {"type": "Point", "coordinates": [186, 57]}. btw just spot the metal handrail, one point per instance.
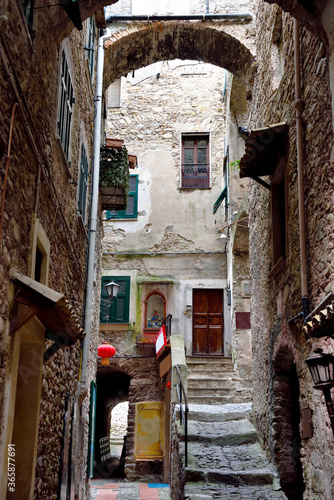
{"type": "Point", "coordinates": [183, 415]}
{"type": "Point", "coordinates": [167, 322]}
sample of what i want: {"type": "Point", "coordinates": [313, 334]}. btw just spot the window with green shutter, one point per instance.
{"type": "Point", "coordinates": [132, 211]}
{"type": "Point", "coordinates": [118, 310]}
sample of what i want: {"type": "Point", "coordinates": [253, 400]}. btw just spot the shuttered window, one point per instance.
{"type": "Point", "coordinates": [91, 46]}
{"type": "Point", "coordinates": [83, 181]}
{"type": "Point", "coordinates": [118, 310]}
{"type": "Point", "coordinates": [65, 107]}
{"type": "Point", "coordinates": [195, 161]}
{"type": "Point", "coordinates": [132, 211]}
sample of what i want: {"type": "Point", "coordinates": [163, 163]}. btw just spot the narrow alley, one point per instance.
{"type": "Point", "coordinates": [166, 250]}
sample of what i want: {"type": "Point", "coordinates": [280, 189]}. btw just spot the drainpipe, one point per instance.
{"type": "Point", "coordinates": [301, 194]}
{"type": "Point", "coordinates": [190, 17]}
{"type": "Point", "coordinates": [7, 167]}
{"type": "Point", "coordinates": [94, 209]}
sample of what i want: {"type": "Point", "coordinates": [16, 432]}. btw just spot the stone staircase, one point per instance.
{"type": "Point", "coordinates": [213, 380]}
{"type": "Point", "coordinates": [225, 459]}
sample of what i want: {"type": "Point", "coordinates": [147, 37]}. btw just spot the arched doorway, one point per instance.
{"type": "Point", "coordinates": [285, 424]}
{"type": "Point", "coordinates": [161, 41]}
{"type": "Point", "coordinates": [112, 389]}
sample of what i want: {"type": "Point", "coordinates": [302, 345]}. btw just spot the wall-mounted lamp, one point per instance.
{"type": "Point", "coordinates": [112, 290]}
{"type": "Point", "coordinates": [321, 367]}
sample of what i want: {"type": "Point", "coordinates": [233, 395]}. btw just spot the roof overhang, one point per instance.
{"type": "Point", "coordinates": [321, 324]}
{"type": "Point", "coordinates": [264, 149]}
{"type": "Point", "coordinates": [50, 307]}
{"type": "Point", "coordinates": [72, 9]}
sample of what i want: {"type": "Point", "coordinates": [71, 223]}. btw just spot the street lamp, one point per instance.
{"type": "Point", "coordinates": [112, 290]}
{"type": "Point", "coordinates": [321, 367]}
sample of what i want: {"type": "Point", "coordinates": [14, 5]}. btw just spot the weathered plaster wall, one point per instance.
{"type": "Point", "coordinates": [276, 299]}
{"type": "Point", "coordinates": [176, 236]}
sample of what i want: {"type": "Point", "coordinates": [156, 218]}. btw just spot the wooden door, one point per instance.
{"type": "Point", "coordinates": [208, 322]}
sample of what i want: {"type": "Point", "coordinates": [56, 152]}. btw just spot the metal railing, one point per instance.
{"type": "Point", "coordinates": [167, 322]}
{"type": "Point", "coordinates": [195, 175]}
{"type": "Point", "coordinates": [183, 413]}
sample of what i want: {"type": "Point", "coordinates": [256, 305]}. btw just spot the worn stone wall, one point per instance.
{"type": "Point", "coordinates": [42, 186]}
{"type": "Point", "coordinates": [145, 385]}
{"type": "Point", "coordinates": [277, 298]}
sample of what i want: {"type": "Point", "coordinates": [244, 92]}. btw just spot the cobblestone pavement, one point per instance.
{"type": "Point", "coordinates": [102, 489]}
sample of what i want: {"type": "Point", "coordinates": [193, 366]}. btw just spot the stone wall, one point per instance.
{"type": "Point", "coordinates": [42, 188]}
{"type": "Point", "coordinates": [276, 298]}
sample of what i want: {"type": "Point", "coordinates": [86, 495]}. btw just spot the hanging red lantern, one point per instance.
{"type": "Point", "coordinates": [169, 385]}
{"type": "Point", "coordinates": [106, 351]}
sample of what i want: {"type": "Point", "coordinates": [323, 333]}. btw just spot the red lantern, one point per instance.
{"type": "Point", "coordinates": [106, 351]}
{"type": "Point", "coordinates": [169, 385]}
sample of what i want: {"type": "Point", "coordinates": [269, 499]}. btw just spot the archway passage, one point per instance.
{"type": "Point", "coordinates": [141, 46]}
{"type": "Point", "coordinates": [112, 389]}
{"type": "Point", "coordinates": [286, 436]}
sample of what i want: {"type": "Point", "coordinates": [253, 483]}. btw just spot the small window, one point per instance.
{"type": "Point", "coordinates": [65, 107]}
{"type": "Point", "coordinates": [195, 161]}
{"type": "Point", "coordinates": [132, 211]}
{"type": "Point", "coordinates": [91, 36]}
{"type": "Point", "coordinates": [83, 182]}
{"type": "Point", "coordinates": [118, 310]}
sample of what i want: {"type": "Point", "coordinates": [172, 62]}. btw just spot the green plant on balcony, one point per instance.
{"type": "Point", "coordinates": [114, 169]}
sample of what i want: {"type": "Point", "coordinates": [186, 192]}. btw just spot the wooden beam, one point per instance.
{"type": "Point", "coordinates": [22, 318]}
{"type": "Point", "coordinates": [260, 181]}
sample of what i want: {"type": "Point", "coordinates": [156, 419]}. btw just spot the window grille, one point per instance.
{"type": "Point", "coordinates": [65, 107]}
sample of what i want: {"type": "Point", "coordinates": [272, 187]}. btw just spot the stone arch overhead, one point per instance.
{"type": "Point", "coordinates": [141, 45]}
{"type": "Point", "coordinates": [310, 12]}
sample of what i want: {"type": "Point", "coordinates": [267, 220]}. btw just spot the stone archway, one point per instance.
{"type": "Point", "coordinates": [285, 424]}
{"type": "Point", "coordinates": [142, 45]}
{"type": "Point", "coordinates": [112, 388]}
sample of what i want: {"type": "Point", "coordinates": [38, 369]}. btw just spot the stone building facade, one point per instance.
{"type": "Point", "coordinates": [46, 144]}
{"type": "Point", "coordinates": [291, 417]}
{"type": "Point", "coordinates": [169, 246]}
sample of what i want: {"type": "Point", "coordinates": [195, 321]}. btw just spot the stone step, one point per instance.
{"type": "Point", "coordinates": [225, 459]}
{"type": "Point", "coordinates": [208, 364]}
{"type": "Point", "coordinates": [213, 491]}
{"type": "Point", "coordinates": [219, 413]}
{"type": "Point", "coordinates": [209, 359]}
{"type": "Point", "coordinates": [221, 434]}
{"type": "Point", "coordinates": [228, 398]}
{"type": "Point", "coordinates": [214, 382]}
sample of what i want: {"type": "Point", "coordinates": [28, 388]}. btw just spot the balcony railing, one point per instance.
{"type": "Point", "coordinates": [195, 175]}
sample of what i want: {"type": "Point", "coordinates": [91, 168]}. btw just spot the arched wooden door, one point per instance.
{"type": "Point", "coordinates": [208, 322]}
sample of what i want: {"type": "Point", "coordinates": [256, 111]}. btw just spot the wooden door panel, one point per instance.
{"type": "Point", "coordinates": [208, 323]}
{"type": "Point", "coordinates": [200, 340]}
{"type": "Point", "coordinates": [215, 344]}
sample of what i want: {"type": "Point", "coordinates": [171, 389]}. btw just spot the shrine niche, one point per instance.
{"type": "Point", "coordinates": [154, 314]}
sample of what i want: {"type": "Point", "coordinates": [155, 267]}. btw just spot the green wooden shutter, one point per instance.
{"type": "Point", "coordinates": [118, 311]}
{"type": "Point", "coordinates": [132, 211]}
